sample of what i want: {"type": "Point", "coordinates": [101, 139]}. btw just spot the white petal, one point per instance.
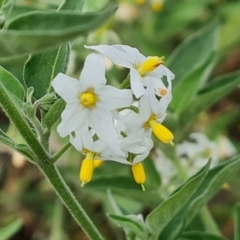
{"type": "Point", "coordinates": [72, 118]}
{"type": "Point", "coordinates": [116, 56]}
{"type": "Point", "coordinates": [144, 108]}
{"type": "Point", "coordinates": [102, 122]}
{"type": "Point", "coordinates": [113, 98]}
{"type": "Point", "coordinates": [66, 87]}
{"type": "Point", "coordinates": [136, 56]}
{"type": "Point", "coordinates": [141, 157]}
{"type": "Point", "coordinates": [82, 139]}
{"type": "Point", "coordinates": [93, 73]}
{"type": "Point", "coordinates": [136, 83]}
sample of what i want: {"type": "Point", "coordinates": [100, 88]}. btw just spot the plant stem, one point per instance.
{"type": "Point", "coordinates": [126, 82]}
{"type": "Point", "coordinates": [209, 223]}
{"type": "Point", "coordinates": [70, 201]}
{"type": "Point", "coordinates": [207, 219]}
{"type": "Point", "coordinates": [58, 154]}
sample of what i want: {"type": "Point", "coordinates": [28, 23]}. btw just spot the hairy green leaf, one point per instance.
{"type": "Point", "coordinates": [193, 52]}
{"type": "Point", "coordinates": [40, 69]}
{"type": "Point", "coordinates": [11, 84]}
{"type": "Point", "coordinates": [37, 31]}
{"type": "Point", "coordinates": [131, 223]}
{"type": "Point", "coordinates": [168, 209]}
{"type": "Point", "coordinates": [195, 235]}
{"type": "Point", "coordinates": [213, 181]}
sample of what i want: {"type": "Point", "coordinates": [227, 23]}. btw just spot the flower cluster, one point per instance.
{"type": "Point", "coordinates": [99, 118]}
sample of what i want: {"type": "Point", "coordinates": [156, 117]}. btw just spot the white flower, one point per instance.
{"type": "Point", "coordinates": [89, 103]}
{"type": "Point", "coordinates": [151, 114]}
{"type": "Point", "coordinates": [143, 70]}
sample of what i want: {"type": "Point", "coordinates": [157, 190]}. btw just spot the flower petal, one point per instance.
{"type": "Point", "coordinates": [118, 57]}
{"type": "Point", "coordinates": [73, 116]}
{"type": "Point", "coordinates": [93, 73]}
{"type": "Point", "coordinates": [136, 83]}
{"type": "Point", "coordinates": [66, 87]}
{"type": "Point", "coordinates": [112, 98]}
{"type": "Point", "coordinates": [102, 122]}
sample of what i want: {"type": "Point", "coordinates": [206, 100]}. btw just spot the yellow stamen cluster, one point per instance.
{"type": "Point", "coordinates": [88, 98]}
{"type": "Point", "coordinates": [139, 174]}
{"type": "Point", "coordinates": [160, 131]}
{"type": "Point", "coordinates": [150, 64]}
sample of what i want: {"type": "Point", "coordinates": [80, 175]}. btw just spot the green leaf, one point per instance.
{"type": "Point", "coordinates": [37, 31]}
{"type": "Point", "coordinates": [237, 222]}
{"type": "Point", "coordinates": [53, 114]}
{"type": "Point", "coordinates": [193, 52]}
{"type": "Point", "coordinates": [11, 84]}
{"type": "Point", "coordinates": [195, 235]}
{"type": "Point", "coordinates": [5, 139]}
{"type": "Point", "coordinates": [131, 223]}
{"type": "Point", "coordinates": [168, 209]}
{"type": "Point", "coordinates": [40, 70]}
{"type": "Point", "coordinates": [153, 180]}
{"type": "Point", "coordinates": [9, 230]}
{"type": "Point", "coordinates": [73, 5]}
{"type": "Point", "coordinates": [114, 182]}
{"type": "Point", "coordinates": [213, 181]}
{"type": "Point", "coordinates": [218, 125]}
{"type": "Point", "coordinates": [210, 94]}
{"type": "Point", "coordinates": [187, 88]}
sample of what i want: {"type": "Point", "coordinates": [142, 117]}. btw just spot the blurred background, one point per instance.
{"type": "Point", "coordinates": [155, 27]}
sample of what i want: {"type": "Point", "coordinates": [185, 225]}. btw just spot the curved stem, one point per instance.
{"type": "Point", "coordinates": [58, 154]}
{"type": "Point", "coordinates": [70, 201]}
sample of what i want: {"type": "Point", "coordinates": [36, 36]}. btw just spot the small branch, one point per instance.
{"type": "Point", "coordinates": [125, 83]}
{"type": "Point", "coordinates": [58, 154]}
{"type": "Point", "coordinates": [16, 117]}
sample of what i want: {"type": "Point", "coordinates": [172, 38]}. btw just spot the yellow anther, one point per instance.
{"type": "Point", "coordinates": [150, 64]}
{"type": "Point", "coordinates": [88, 98]}
{"type": "Point", "coordinates": [87, 168]}
{"type": "Point", "coordinates": [161, 132]}
{"type": "Point", "coordinates": [139, 174]}
{"type": "Point", "coordinates": [162, 92]}
{"type": "Point", "coordinates": [97, 163]}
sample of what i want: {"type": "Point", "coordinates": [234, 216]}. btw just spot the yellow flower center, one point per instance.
{"type": "Point", "coordinates": [150, 64]}
{"type": "Point", "coordinates": [160, 131]}
{"type": "Point", "coordinates": [88, 99]}
{"type": "Point", "coordinates": [87, 168]}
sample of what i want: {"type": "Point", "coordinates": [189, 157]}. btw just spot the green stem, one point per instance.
{"type": "Point", "coordinates": [16, 116]}
{"type": "Point", "coordinates": [58, 154]}
{"type": "Point", "coordinates": [207, 219]}
{"type": "Point", "coordinates": [126, 82]}
{"type": "Point", "coordinates": [70, 201]}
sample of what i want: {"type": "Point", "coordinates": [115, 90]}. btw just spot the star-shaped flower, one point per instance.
{"type": "Point", "coordinates": [89, 102]}
{"type": "Point", "coordinates": [143, 70]}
